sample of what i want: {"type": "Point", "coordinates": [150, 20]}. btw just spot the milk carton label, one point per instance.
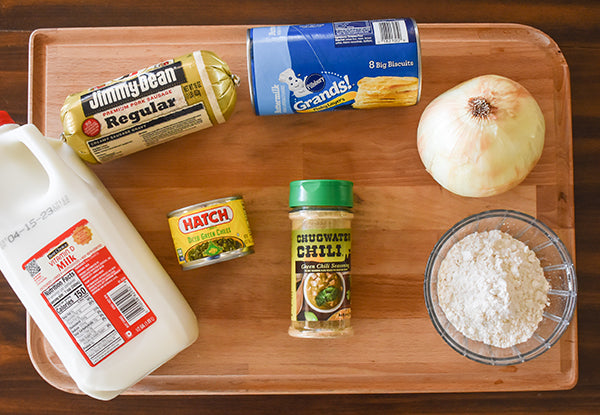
{"type": "Point", "coordinates": [89, 293]}
{"type": "Point", "coordinates": [318, 67]}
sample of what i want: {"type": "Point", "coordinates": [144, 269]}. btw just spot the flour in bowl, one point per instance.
{"type": "Point", "coordinates": [491, 287]}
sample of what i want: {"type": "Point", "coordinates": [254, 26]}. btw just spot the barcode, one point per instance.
{"type": "Point", "coordinates": [390, 31]}
{"type": "Point", "coordinates": [33, 268]}
{"type": "Point", "coordinates": [129, 304]}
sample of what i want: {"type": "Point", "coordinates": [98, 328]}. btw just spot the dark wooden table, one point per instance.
{"type": "Point", "coordinates": [574, 25]}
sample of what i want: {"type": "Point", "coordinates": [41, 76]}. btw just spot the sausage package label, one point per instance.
{"type": "Point", "coordinates": [321, 274]}
{"type": "Point", "coordinates": [318, 67]}
{"type": "Point", "coordinates": [148, 107]}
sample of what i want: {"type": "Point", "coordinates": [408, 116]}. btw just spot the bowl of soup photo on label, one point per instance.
{"type": "Point", "coordinates": [324, 291]}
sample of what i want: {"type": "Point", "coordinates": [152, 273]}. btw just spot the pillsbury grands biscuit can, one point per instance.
{"type": "Point", "coordinates": [211, 232]}
{"type": "Point", "coordinates": [149, 107]}
{"type": "Point", "coordinates": [319, 67]}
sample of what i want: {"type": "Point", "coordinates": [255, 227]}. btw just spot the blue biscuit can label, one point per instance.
{"type": "Point", "coordinates": [319, 67]}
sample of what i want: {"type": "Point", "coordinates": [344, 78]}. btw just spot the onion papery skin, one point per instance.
{"type": "Point", "coordinates": [481, 156]}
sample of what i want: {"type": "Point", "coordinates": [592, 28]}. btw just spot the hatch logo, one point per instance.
{"type": "Point", "coordinates": [205, 219]}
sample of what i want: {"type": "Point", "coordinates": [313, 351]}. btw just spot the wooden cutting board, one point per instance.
{"type": "Point", "coordinates": [243, 305]}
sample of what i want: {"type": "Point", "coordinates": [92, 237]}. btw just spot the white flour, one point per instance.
{"type": "Point", "coordinates": [492, 288]}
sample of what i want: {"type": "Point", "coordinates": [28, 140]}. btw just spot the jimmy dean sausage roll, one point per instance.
{"type": "Point", "coordinates": [149, 107]}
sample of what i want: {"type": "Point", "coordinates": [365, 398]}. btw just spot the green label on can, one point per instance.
{"type": "Point", "coordinates": [321, 274]}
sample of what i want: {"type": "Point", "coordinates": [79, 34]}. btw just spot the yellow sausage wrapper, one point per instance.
{"type": "Point", "coordinates": [149, 107]}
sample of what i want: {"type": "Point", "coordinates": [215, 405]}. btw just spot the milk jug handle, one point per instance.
{"type": "Point", "coordinates": [51, 162]}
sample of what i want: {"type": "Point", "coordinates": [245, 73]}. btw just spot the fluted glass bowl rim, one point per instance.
{"type": "Point", "coordinates": [518, 355]}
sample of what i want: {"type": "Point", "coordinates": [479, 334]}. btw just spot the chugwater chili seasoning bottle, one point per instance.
{"type": "Point", "coordinates": [321, 218]}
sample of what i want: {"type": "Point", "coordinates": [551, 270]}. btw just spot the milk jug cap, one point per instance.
{"type": "Point", "coordinates": [5, 118]}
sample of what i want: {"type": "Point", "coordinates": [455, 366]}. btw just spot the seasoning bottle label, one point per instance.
{"type": "Point", "coordinates": [321, 274]}
{"type": "Point", "coordinates": [89, 293]}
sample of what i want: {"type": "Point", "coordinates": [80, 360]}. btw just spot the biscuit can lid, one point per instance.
{"type": "Point", "coordinates": [321, 193]}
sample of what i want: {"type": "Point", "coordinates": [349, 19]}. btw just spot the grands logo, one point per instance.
{"type": "Point", "coordinates": [316, 90]}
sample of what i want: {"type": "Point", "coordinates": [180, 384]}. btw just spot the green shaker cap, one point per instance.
{"type": "Point", "coordinates": [321, 193]}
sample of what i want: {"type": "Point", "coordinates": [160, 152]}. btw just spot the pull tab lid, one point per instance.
{"type": "Point", "coordinates": [5, 118]}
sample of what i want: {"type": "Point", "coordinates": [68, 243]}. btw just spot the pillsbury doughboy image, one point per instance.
{"type": "Point", "coordinates": [295, 84]}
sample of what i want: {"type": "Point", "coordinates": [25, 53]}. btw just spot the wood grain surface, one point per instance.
{"type": "Point", "coordinates": [572, 25]}
{"type": "Point", "coordinates": [400, 212]}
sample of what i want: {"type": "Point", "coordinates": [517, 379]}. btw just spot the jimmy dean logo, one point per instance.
{"type": "Point", "coordinates": [130, 89]}
{"type": "Point", "coordinates": [337, 88]}
{"type": "Point", "coordinates": [205, 219]}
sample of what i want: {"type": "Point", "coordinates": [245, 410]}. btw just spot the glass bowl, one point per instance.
{"type": "Point", "coordinates": [558, 270]}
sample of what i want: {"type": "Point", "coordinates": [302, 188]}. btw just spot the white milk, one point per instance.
{"type": "Point", "coordinates": [84, 274]}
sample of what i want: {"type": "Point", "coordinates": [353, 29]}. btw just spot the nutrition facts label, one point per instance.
{"type": "Point", "coordinates": [89, 293]}
{"type": "Point", "coordinates": [83, 317]}
{"type": "Point", "coordinates": [367, 32]}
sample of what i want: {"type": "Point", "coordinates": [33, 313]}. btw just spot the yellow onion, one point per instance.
{"type": "Point", "coordinates": [482, 137]}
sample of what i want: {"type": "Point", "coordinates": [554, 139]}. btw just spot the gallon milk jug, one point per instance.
{"type": "Point", "coordinates": [84, 274]}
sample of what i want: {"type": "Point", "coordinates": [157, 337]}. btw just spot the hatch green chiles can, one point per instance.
{"type": "Point", "coordinates": [211, 232]}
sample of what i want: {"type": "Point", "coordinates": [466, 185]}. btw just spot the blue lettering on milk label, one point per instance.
{"type": "Point", "coordinates": [319, 67]}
